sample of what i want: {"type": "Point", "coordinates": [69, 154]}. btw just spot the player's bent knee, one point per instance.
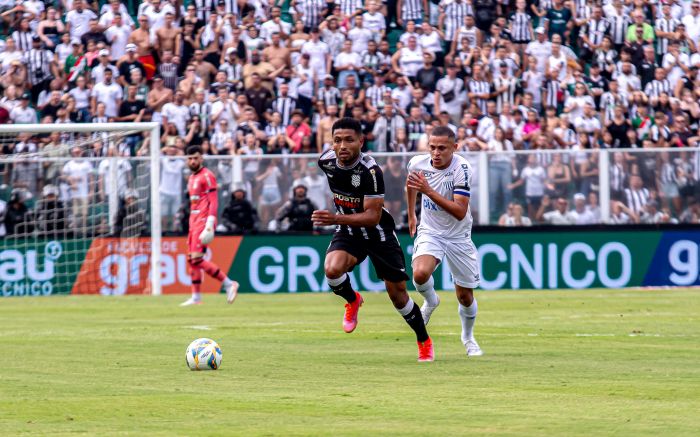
{"type": "Point", "coordinates": [334, 270]}
{"type": "Point", "coordinates": [421, 276]}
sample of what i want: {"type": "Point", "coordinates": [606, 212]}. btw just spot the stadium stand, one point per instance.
{"type": "Point", "coordinates": [542, 84]}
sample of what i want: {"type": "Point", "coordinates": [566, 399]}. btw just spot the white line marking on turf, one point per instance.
{"type": "Point", "coordinates": [595, 335]}
{"type": "Point", "coordinates": [200, 327]}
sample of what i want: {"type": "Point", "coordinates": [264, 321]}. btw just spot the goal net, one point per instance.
{"type": "Point", "coordinates": [72, 197]}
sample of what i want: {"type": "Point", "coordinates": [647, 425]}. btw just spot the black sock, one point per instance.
{"type": "Point", "coordinates": [345, 290]}
{"type": "Point", "coordinates": [415, 321]}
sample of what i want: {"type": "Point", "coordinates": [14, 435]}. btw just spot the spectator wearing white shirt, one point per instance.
{"type": "Point", "coordinates": [177, 113]}
{"type": "Point", "coordinates": [78, 174]}
{"type": "Point", "coordinates": [360, 36]}
{"type": "Point", "coordinates": [676, 63]}
{"type": "Point", "coordinates": [692, 22]}
{"type": "Point", "coordinates": [540, 49]}
{"type": "Point", "coordinates": [588, 123]}
{"type": "Point", "coordinates": [448, 94]}
{"type": "Point", "coordinates": [118, 35]}
{"type": "Point", "coordinates": [621, 214]}
{"type": "Point", "coordinates": [98, 71]}
{"type": "Point", "coordinates": [78, 20]}
{"type": "Point", "coordinates": [23, 113]}
{"type": "Point", "coordinates": [109, 93]}
{"type": "Point", "coordinates": [109, 13]}
{"type": "Point", "coordinates": [319, 54]}
{"type": "Point", "coordinates": [374, 20]}
{"type": "Point", "coordinates": [580, 215]}
{"type": "Point", "coordinates": [171, 186]}
{"type": "Point", "coordinates": [533, 177]}
{"type": "Point", "coordinates": [275, 25]}
{"type": "Point", "coordinates": [574, 104]}
{"type": "Point", "coordinates": [557, 216]}
{"type": "Point", "coordinates": [347, 63]}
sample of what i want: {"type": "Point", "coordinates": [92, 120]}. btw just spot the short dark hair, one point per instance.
{"type": "Point", "coordinates": [191, 150]}
{"type": "Point", "coordinates": [443, 131]}
{"type": "Point", "coordinates": [347, 123]}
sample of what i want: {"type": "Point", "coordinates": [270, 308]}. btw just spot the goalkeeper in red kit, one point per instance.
{"type": "Point", "coordinates": [201, 187]}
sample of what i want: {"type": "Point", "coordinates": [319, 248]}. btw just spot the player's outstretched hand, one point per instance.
{"type": "Point", "coordinates": [418, 182]}
{"type": "Point", "coordinates": [323, 218]}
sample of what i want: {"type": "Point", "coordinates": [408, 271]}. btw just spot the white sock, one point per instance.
{"type": "Point", "coordinates": [467, 315]}
{"type": "Point", "coordinates": [196, 296]}
{"type": "Point", "coordinates": [227, 282]}
{"type": "Point", "coordinates": [427, 290]}
{"type": "Point", "coordinates": [407, 309]}
{"type": "Point", "coordinates": [336, 282]}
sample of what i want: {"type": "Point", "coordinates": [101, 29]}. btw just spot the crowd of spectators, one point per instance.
{"type": "Point", "coordinates": [257, 77]}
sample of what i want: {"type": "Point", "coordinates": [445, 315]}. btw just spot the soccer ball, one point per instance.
{"type": "Point", "coordinates": [203, 354]}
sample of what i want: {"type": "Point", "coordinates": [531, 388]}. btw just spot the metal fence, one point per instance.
{"type": "Point", "coordinates": [519, 188]}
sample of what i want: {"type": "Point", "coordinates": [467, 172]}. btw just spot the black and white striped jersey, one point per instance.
{"type": "Point", "coordinates": [284, 105]}
{"type": "Point", "coordinates": [329, 96]}
{"type": "Point", "coordinates": [412, 10]}
{"type": "Point", "coordinates": [204, 9]}
{"type": "Point", "coordinates": [637, 199]}
{"type": "Point", "coordinates": [350, 187]}
{"type": "Point", "coordinates": [521, 25]}
{"type": "Point", "coordinates": [595, 30]}
{"type": "Point", "coordinates": [479, 87]}
{"type": "Point", "coordinates": [656, 87]}
{"type": "Point", "coordinates": [454, 18]}
{"type": "Point", "coordinates": [618, 28]}
{"type": "Point", "coordinates": [664, 24]}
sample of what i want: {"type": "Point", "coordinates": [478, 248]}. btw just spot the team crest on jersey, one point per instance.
{"type": "Point", "coordinates": [355, 180]}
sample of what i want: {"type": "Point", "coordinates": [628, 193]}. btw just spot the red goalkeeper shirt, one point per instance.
{"type": "Point", "coordinates": [201, 187]}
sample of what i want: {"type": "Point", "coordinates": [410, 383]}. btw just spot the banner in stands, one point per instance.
{"type": "Point", "coordinates": [284, 263]}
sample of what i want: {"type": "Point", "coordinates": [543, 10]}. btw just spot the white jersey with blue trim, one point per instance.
{"type": "Point", "coordinates": [448, 182]}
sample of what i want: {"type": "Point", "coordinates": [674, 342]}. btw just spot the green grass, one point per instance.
{"type": "Point", "coordinates": [556, 363]}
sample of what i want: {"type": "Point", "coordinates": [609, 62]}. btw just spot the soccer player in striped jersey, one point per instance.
{"type": "Point", "coordinates": [364, 228]}
{"type": "Point", "coordinates": [443, 179]}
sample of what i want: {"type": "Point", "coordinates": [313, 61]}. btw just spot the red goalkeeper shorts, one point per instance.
{"type": "Point", "coordinates": [193, 243]}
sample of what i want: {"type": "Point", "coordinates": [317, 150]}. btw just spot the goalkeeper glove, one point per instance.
{"type": "Point", "coordinates": [207, 234]}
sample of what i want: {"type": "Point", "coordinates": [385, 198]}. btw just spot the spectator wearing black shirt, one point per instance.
{"type": "Point", "coordinates": [130, 62]}
{"type": "Point", "coordinates": [53, 106]}
{"type": "Point", "coordinates": [131, 219]}
{"type": "Point", "coordinates": [240, 215]}
{"type": "Point", "coordinates": [296, 212]}
{"type": "Point", "coordinates": [259, 97]}
{"type": "Point", "coordinates": [94, 34]}
{"type": "Point", "coordinates": [51, 213]}
{"type": "Point", "coordinates": [428, 75]}
{"type": "Point", "coordinates": [648, 66]}
{"type": "Point", "coordinates": [17, 215]}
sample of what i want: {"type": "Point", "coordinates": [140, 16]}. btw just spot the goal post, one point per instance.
{"type": "Point", "coordinates": [72, 190]}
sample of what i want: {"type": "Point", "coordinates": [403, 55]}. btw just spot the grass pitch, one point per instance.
{"type": "Point", "coordinates": [555, 363]}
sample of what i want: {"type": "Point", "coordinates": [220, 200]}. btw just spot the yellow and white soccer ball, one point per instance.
{"type": "Point", "coordinates": [203, 354]}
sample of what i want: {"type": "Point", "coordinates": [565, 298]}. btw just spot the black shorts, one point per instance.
{"type": "Point", "coordinates": [387, 256]}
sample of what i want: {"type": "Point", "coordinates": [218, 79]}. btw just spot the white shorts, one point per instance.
{"type": "Point", "coordinates": [460, 256]}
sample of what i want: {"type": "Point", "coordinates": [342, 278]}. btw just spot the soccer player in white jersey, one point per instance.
{"type": "Point", "coordinates": [443, 179]}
